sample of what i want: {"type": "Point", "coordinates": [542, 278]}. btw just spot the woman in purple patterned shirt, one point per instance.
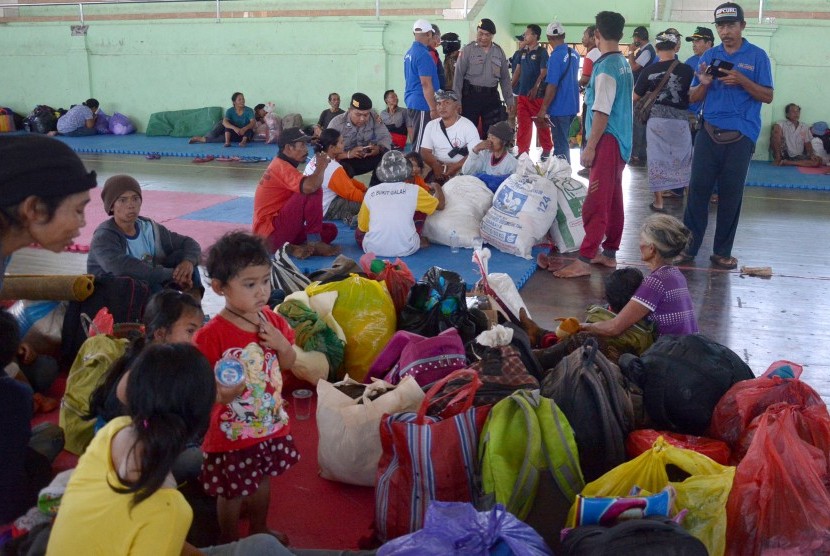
{"type": "Point", "coordinates": [664, 295]}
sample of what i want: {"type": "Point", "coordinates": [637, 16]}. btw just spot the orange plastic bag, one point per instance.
{"type": "Point", "coordinates": [397, 277]}
{"type": "Point", "coordinates": [780, 502]}
{"type": "Point", "coordinates": [641, 440]}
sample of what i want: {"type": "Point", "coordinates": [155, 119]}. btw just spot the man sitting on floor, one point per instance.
{"type": "Point", "coordinates": [791, 141]}
{"type": "Point", "coordinates": [288, 206]}
{"type": "Point", "coordinates": [365, 138]}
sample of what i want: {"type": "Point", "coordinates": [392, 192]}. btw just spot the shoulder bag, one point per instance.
{"type": "Point", "coordinates": [642, 108]}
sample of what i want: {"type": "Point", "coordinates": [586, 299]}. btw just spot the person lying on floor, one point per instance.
{"type": "Point", "coordinates": [342, 195]}
{"type": "Point", "coordinates": [392, 214]}
{"type": "Point", "coordinates": [288, 206]}
{"type": "Point", "coordinates": [129, 244]}
{"type": "Point", "coordinates": [491, 156]}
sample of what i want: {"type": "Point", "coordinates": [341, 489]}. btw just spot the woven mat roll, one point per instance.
{"type": "Point", "coordinates": [56, 287]}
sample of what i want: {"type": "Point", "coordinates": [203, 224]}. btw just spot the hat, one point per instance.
{"type": "Point", "coordinates": [422, 26]}
{"type": "Point", "coordinates": [293, 135]}
{"type": "Point", "coordinates": [555, 29]}
{"type": "Point", "coordinates": [450, 42]}
{"type": "Point", "coordinates": [519, 38]}
{"type": "Point", "coordinates": [701, 33]}
{"type": "Point", "coordinates": [674, 32]}
{"type": "Point", "coordinates": [360, 102]}
{"type": "Point", "coordinates": [640, 32]}
{"type": "Point", "coordinates": [502, 130]}
{"type": "Point", "coordinates": [729, 12]}
{"type": "Point", "coordinates": [487, 25]}
{"type": "Point", "coordinates": [40, 166]}
{"type": "Point", "coordinates": [446, 94]}
{"type": "Point", "coordinates": [394, 167]}
{"type": "Point", "coordinates": [665, 36]}
{"type": "Point", "coordinates": [819, 128]}
{"type": "Point", "coordinates": [117, 186]}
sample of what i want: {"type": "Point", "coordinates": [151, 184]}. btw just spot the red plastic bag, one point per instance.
{"type": "Point", "coordinates": [397, 276]}
{"type": "Point", "coordinates": [747, 400]}
{"type": "Point", "coordinates": [103, 323]}
{"type": "Point", "coordinates": [641, 440]}
{"type": "Point", "coordinates": [779, 503]}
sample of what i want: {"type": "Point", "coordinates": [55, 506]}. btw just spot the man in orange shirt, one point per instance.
{"type": "Point", "coordinates": [288, 207]}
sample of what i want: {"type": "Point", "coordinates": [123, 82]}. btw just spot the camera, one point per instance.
{"type": "Point", "coordinates": [715, 70]}
{"type": "Point", "coordinates": [463, 151]}
{"type": "Point", "coordinates": [367, 148]}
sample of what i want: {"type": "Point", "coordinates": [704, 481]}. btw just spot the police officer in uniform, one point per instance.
{"type": "Point", "coordinates": [481, 68]}
{"type": "Point", "coordinates": [365, 138]}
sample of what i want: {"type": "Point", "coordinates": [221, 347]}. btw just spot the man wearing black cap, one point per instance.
{"type": "Point", "coordinates": [481, 68]}
{"type": "Point", "coordinates": [365, 138]}
{"type": "Point", "coordinates": [531, 71]}
{"type": "Point", "coordinates": [288, 206]}
{"type": "Point", "coordinates": [702, 40]}
{"type": "Point", "coordinates": [734, 78]}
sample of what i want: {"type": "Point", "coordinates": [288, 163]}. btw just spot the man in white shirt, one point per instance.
{"type": "Point", "coordinates": [791, 142]}
{"type": "Point", "coordinates": [448, 139]}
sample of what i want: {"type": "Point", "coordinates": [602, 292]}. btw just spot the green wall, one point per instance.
{"type": "Point", "coordinates": [140, 67]}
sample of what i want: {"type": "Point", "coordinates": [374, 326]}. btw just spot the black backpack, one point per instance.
{"type": "Point", "coordinates": [595, 397]}
{"type": "Point", "coordinates": [41, 120]}
{"type": "Point", "coordinates": [651, 536]}
{"type": "Point", "coordinates": [683, 378]}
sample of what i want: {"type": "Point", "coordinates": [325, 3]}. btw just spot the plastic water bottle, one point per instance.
{"type": "Point", "coordinates": [229, 371]}
{"type": "Point", "coordinates": [453, 242]}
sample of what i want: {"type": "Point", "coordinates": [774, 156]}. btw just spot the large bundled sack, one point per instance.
{"type": "Point", "coordinates": [595, 397]}
{"type": "Point", "coordinates": [683, 378]}
{"type": "Point", "coordinates": [467, 200]}
{"type": "Point", "coordinates": [119, 124]}
{"type": "Point", "coordinates": [642, 440]}
{"type": "Point", "coordinates": [529, 462]}
{"type": "Point", "coordinates": [184, 123]}
{"type": "Point", "coordinates": [102, 122]}
{"type": "Point", "coordinates": [43, 119]}
{"type": "Point", "coordinates": [567, 231]}
{"type": "Point", "coordinates": [524, 207]}
{"type": "Point", "coordinates": [317, 331]}
{"type": "Point", "coordinates": [703, 491]}
{"type": "Point", "coordinates": [366, 314]}
{"type": "Point", "coordinates": [292, 120]}
{"type": "Point", "coordinates": [90, 367]}
{"type": "Point", "coordinates": [780, 502]}
{"type": "Point", "coordinates": [397, 277]}
{"type": "Point", "coordinates": [349, 428]}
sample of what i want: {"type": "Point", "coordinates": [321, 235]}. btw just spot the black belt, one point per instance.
{"type": "Point", "coordinates": [470, 88]}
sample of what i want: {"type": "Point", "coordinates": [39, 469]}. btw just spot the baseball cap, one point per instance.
{"type": "Point", "coordinates": [701, 33]}
{"type": "Point", "coordinates": [640, 32]}
{"type": "Point", "coordinates": [555, 29]}
{"type": "Point", "coordinates": [422, 26]}
{"type": "Point", "coordinates": [487, 25]}
{"type": "Point", "coordinates": [519, 37]}
{"type": "Point", "coordinates": [293, 135]}
{"type": "Point", "coordinates": [819, 128]}
{"type": "Point", "coordinates": [729, 12]}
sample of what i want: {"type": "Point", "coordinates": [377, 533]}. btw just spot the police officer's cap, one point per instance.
{"type": "Point", "coordinates": [487, 25]}
{"type": "Point", "coordinates": [361, 102]}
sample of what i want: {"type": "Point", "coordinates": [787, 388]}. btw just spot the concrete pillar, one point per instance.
{"type": "Point", "coordinates": [371, 63]}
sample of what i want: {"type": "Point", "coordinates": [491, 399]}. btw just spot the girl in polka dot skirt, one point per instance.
{"type": "Point", "coordinates": [248, 440]}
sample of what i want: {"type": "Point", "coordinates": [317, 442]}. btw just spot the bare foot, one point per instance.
{"type": "Point", "coordinates": [574, 270]}
{"type": "Point", "coordinates": [244, 142]}
{"type": "Point", "coordinates": [322, 249]}
{"type": "Point", "coordinates": [303, 251]}
{"type": "Point", "coordinates": [424, 242]}
{"type": "Point", "coordinates": [226, 145]}
{"type": "Point", "coordinates": [543, 260]}
{"type": "Point", "coordinates": [604, 261]}
{"type": "Point", "coordinates": [52, 134]}
{"type": "Point", "coordinates": [196, 139]}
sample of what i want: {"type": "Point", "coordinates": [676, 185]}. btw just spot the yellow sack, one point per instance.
{"type": "Point", "coordinates": [365, 312]}
{"type": "Point", "coordinates": [704, 493]}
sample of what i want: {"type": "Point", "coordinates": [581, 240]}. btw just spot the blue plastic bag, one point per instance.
{"type": "Point", "coordinates": [102, 122]}
{"type": "Point", "coordinates": [28, 313]}
{"type": "Point", "coordinates": [492, 182]}
{"type": "Point", "coordinates": [457, 528]}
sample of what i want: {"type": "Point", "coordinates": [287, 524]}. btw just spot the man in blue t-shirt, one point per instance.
{"type": "Point", "coordinates": [421, 76]}
{"type": "Point", "coordinates": [642, 57]}
{"type": "Point", "coordinates": [529, 77]}
{"type": "Point", "coordinates": [561, 102]}
{"type": "Point", "coordinates": [702, 40]}
{"type": "Point", "coordinates": [734, 78]}
{"type": "Point", "coordinates": [608, 125]}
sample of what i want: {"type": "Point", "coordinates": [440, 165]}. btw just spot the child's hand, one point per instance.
{"type": "Point", "coordinates": [272, 337]}
{"type": "Point", "coordinates": [226, 394]}
{"type": "Point", "coordinates": [26, 354]}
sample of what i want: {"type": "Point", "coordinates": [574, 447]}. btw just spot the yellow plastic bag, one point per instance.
{"type": "Point", "coordinates": [704, 493]}
{"type": "Point", "coordinates": [366, 314]}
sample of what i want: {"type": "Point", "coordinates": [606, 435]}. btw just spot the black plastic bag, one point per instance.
{"type": "Point", "coordinates": [41, 120]}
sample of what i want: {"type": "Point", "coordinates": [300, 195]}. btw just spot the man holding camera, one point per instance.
{"type": "Point", "coordinates": [448, 138]}
{"type": "Point", "coordinates": [734, 78]}
{"type": "Point", "coordinates": [365, 138]}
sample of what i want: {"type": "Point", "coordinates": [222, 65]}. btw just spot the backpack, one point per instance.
{"type": "Point", "coordinates": [594, 395]}
{"type": "Point", "coordinates": [529, 462]}
{"type": "Point", "coordinates": [41, 120]}
{"type": "Point", "coordinates": [93, 361]}
{"type": "Point", "coordinates": [683, 378]}
{"type": "Point", "coordinates": [424, 359]}
{"type": "Point", "coordinates": [650, 536]}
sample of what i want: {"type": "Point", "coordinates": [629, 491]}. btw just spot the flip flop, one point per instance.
{"type": "Point", "coordinates": [202, 159]}
{"type": "Point", "coordinates": [250, 159]}
{"type": "Point", "coordinates": [228, 159]}
{"type": "Point", "coordinates": [683, 258]}
{"type": "Point", "coordinates": [726, 263]}
{"type": "Point", "coordinates": [152, 156]}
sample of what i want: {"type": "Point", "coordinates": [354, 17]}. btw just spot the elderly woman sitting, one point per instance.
{"type": "Point", "coordinates": [131, 245]}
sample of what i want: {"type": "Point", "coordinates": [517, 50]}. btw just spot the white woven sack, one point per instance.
{"type": "Point", "coordinates": [349, 448]}
{"type": "Point", "coordinates": [567, 230]}
{"type": "Point", "coordinates": [524, 207]}
{"type": "Point", "coordinates": [467, 200]}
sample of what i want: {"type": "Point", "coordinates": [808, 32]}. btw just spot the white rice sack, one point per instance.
{"type": "Point", "coordinates": [567, 231]}
{"type": "Point", "coordinates": [467, 200]}
{"type": "Point", "coordinates": [524, 207]}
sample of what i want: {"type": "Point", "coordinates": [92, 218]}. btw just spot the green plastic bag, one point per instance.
{"type": "Point", "coordinates": [704, 492]}
{"type": "Point", "coordinates": [366, 313]}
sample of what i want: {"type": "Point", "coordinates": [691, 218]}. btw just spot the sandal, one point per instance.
{"type": "Point", "coordinates": [683, 258]}
{"type": "Point", "coordinates": [152, 156]}
{"type": "Point", "coordinates": [726, 263]}
{"type": "Point", "coordinates": [202, 159]}
{"type": "Point", "coordinates": [228, 159]}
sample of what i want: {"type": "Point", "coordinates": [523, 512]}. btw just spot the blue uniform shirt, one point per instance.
{"type": "Point", "coordinates": [417, 63]}
{"type": "Point", "coordinates": [694, 62]}
{"type": "Point", "coordinates": [532, 63]}
{"type": "Point", "coordinates": [566, 101]}
{"type": "Point", "coordinates": [612, 75]}
{"type": "Point", "coordinates": [730, 106]}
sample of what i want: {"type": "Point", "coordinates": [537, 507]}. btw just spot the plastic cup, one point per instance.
{"type": "Point", "coordinates": [302, 404]}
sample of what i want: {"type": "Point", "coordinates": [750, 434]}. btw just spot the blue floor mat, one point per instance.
{"type": "Point", "coordinates": [519, 269]}
{"type": "Point", "coordinates": [235, 211]}
{"type": "Point", "coordinates": [764, 174]}
{"type": "Point", "coordinates": [140, 144]}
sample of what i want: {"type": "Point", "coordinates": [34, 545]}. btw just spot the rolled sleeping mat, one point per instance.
{"type": "Point", "coordinates": [76, 287]}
